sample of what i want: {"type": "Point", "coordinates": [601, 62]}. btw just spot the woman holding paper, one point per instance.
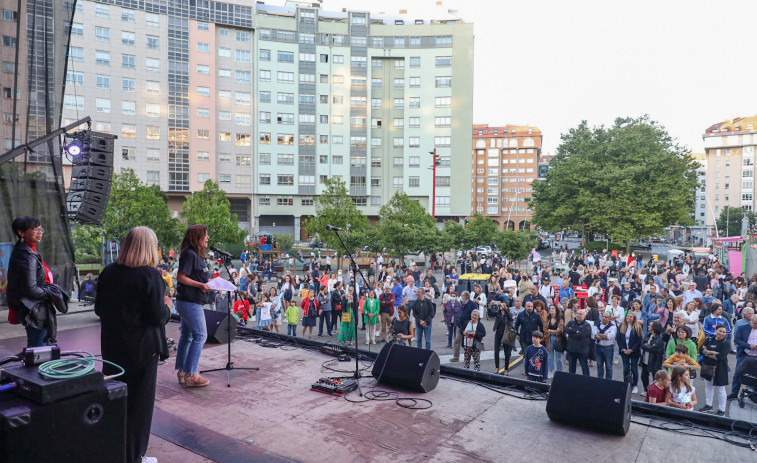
{"type": "Point", "coordinates": [191, 294]}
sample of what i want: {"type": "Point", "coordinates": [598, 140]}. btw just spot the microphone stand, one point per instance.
{"type": "Point", "coordinates": [229, 364]}
{"type": "Point", "coordinates": [356, 374]}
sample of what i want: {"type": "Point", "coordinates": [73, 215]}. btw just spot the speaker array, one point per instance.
{"type": "Point", "coordinates": [91, 177]}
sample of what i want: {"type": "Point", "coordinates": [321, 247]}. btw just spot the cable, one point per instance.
{"type": "Point", "coordinates": [72, 368]}
{"type": "Point", "coordinates": [410, 403]}
{"type": "Point", "coordinates": [512, 391]}
{"type": "Point", "coordinates": [691, 429]}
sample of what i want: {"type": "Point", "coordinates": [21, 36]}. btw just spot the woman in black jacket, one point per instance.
{"type": "Point", "coordinates": [629, 344]}
{"type": "Point", "coordinates": [133, 311]}
{"type": "Point", "coordinates": [504, 319]}
{"type": "Point", "coordinates": [653, 348]}
{"type": "Point", "coordinates": [473, 341]}
{"type": "Point", "coordinates": [715, 350]}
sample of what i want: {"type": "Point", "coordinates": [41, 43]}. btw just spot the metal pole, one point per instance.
{"type": "Point", "coordinates": [433, 189]}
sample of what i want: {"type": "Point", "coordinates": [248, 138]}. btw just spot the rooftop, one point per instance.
{"type": "Point", "coordinates": [505, 130]}
{"type": "Point", "coordinates": [738, 124]}
{"type": "Point", "coordinates": [401, 17]}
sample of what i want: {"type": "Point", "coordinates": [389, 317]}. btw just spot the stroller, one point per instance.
{"type": "Point", "coordinates": [748, 371]}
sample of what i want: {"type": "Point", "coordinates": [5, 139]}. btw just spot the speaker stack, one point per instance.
{"type": "Point", "coordinates": [407, 368]}
{"type": "Point", "coordinates": [91, 177]}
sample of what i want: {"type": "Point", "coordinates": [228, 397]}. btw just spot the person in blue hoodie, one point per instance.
{"type": "Point", "coordinates": [535, 362]}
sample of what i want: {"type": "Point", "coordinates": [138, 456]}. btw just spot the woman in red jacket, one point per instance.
{"type": "Point", "coordinates": [310, 308]}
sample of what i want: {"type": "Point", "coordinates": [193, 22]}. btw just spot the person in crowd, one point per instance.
{"type": "Point", "coordinates": [473, 336]}
{"type": "Point", "coordinates": [578, 332]}
{"type": "Point", "coordinates": [292, 316]}
{"type": "Point", "coordinates": [371, 309]}
{"type": "Point", "coordinates": [288, 288]}
{"type": "Point", "coordinates": [409, 294]}
{"type": "Point", "coordinates": [423, 311]}
{"type": "Point", "coordinates": [534, 295]}
{"type": "Point", "coordinates": [324, 302]}
{"type": "Point", "coordinates": [715, 354]}
{"type": "Point", "coordinates": [310, 308]}
{"type": "Point", "coordinates": [715, 319]}
{"type": "Point", "coordinates": [349, 315]}
{"type": "Point", "coordinates": [681, 393]}
{"type": "Point", "coordinates": [690, 316]}
{"type": "Point", "coordinates": [30, 292]}
{"type": "Point", "coordinates": [570, 310]}
{"type": "Point", "coordinates": [451, 314]}
{"type": "Point", "coordinates": [191, 294]}
{"type": "Point", "coordinates": [87, 288]}
{"type": "Point", "coordinates": [535, 361]}
{"type": "Point", "coordinates": [745, 338]}
{"type": "Point", "coordinates": [504, 319]}
{"type": "Point", "coordinates": [479, 298]}
{"type": "Point", "coordinates": [265, 312]}
{"type": "Point", "coordinates": [527, 322]}
{"type": "Point", "coordinates": [468, 306]}
{"type": "Point", "coordinates": [656, 391]}
{"type": "Point", "coordinates": [604, 334]}
{"type": "Point", "coordinates": [336, 305]}
{"type": "Point", "coordinates": [652, 348]}
{"type": "Point", "coordinates": [629, 343]}
{"type": "Point", "coordinates": [402, 330]}
{"type": "Point", "coordinates": [133, 312]}
{"type": "Point", "coordinates": [681, 358]}
{"type": "Point", "coordinates": [386, 310]}
{"type": "Point", "coordinates": [277, 308]}
{"type": "Point", "coordinates": [555, 337]}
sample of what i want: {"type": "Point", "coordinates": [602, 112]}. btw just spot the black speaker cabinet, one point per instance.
{"type": "Point", "coordinates": [407, 368]}
{"type": "Point", "coordinates": [217, 324]}
{"type": "Point", "coordinates": [88, 427]}
{"type": "Point", "coordinates": [86, 206]}
{"type": "Point", "coordinates": [600, 404]}
{"type": "Point", "coordinates": [94, 172]}
{"type": "Point", "coordinates": [91, 184]}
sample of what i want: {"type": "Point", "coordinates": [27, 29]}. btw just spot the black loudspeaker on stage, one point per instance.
{"type": "Point", "coordinates": [218, 327]}
{"type": "Point", "coordinates": [91, 178]}
{"type": "Point", "coordinates": [407, 368]}
{"type": "Point", "coordinates": [600, 404]}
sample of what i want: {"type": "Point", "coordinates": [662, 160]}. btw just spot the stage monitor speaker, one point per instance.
{"type": "Point", "coordinates": [600, 404]}
{"type": "Point", "coordinates": [86, 427]}
{"type": "Point", "coordinates": [407, 368]}
{"type": "Point", "coordinates": [218, 327]}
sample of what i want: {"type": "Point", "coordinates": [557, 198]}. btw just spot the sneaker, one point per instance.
{"type": "Point", "coordinates": [635, 390]}
{"type": "Point", "coordinates": [615, 361]}
{"type": "Point", "coordinates": [732, 396]}
{"type": "Point", "coordinates": [455, 360]}
{"type": "Point", "coordinates": [149, 460]}
{"type": "Point", "coordinates": [720, 413]}
{"type": "Point", "coordinates": [705, 409]}
{"type": "Point", "coordinates": [643, 393]}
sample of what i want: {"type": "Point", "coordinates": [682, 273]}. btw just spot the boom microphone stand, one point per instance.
{"type": "Point", "coordinates": [229, 364]}
{"type": "Point", "coordinates": [356, 374]}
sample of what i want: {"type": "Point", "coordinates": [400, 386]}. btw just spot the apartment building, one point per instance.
{"type": "Point", "coordinates": [505, 164]}
{"type": "Point", "coordinates": [270, 101]}
{"type": "Point", "coordinates": [729, 154]}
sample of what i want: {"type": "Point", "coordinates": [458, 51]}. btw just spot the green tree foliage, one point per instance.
{"type": "Point", "coordinates": [87, 241]}
{"type": "Point", "coordinates": [284, 241]}
{"type": "Point", "coordinates": [515, 245]}
{"type": "Point", "coordinates": [210, 207]}
{"type": "Point", "coordinates": [134, 204]}
{"type": "Point", "coordinates": [729, 221]}
{"type": "Point", "coordinates": [335, 207]}
{"type": "Point", "coordinates": [455, 236]}
{"type": "Point", "coordinates": [402, 224]}
{"type": "Point", "coordinates": [482, 230]}
{"type": "Point", "coordinates": [626, 181]}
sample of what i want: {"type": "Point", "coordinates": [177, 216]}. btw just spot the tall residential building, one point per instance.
{"type": "Point", "coordinates": [270, 101]}
{"type": "Point", "coordinates": [8, 79]}
{"type": "Point", "coordinates": [729, 153]}
{"type": "Point", "coordinates": [505, 165]}
{"type": "Point", "coordinates": [696, 233]}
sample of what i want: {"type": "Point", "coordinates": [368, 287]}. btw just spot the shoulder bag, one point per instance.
{"type": "Point", "coordinates": [508, 337]}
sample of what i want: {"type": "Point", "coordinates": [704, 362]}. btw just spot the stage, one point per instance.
{"type": "Point", "coordinates": [272, 415]}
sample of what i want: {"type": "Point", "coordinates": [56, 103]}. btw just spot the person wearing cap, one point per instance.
{"type": "Point", "coordinates": [612, 288]}
{"type": "Point", "coordinates": [675, 290]}
{"type": "Point", "coordinates": [691, 293]}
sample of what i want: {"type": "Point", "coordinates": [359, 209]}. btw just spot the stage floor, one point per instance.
{"type": "Point", "coordinates": [272, 415]}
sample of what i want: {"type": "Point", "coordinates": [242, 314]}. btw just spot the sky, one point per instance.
{"type": "Point", "coordinates": [554, 63]}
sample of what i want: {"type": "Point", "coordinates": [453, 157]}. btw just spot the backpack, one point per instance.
{"type": "Point", "coordinates": [89, 287]}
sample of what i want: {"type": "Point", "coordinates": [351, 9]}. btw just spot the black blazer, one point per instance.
{"type": "Point", "coordinates": [634, 342]}
{"type": "Point", "coordinates": [130, 305]}
{"type": "Point", "coordinates": [26, 277]}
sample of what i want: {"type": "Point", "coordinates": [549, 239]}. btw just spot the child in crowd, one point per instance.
{"type": "Point", "coordinates": [265, 309]}
{"type": "Point", "coordinates": [656, 391]}
{"type": "Point", "coordinates": [681, 358]}
{"type": "Point", "coordinates": [536, 359]}
{"type": "Point", "coordinates": [292, 315]}
{"type": "Point", "coordinates": [680, 392]}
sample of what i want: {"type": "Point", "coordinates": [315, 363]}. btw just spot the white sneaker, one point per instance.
{"type": "Point", "coordinates": [149, 460]}
{"type": "Point", "coordinates": [635, 390]}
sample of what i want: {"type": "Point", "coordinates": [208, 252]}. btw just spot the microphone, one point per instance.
{"type": "Point", "coordinates": [219, 252]}
{"type": "Point", "coordinates": [332, 228]}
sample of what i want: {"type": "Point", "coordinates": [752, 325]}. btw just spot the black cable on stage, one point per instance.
{"type": "Point", "coordinates": [411, 403]}
{"type": "Point", "coordinates": [689, 428]}
{"type": "Point", "coordinates": [512, 391]}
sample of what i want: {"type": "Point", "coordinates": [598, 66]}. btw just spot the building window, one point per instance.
{"type": "Point", "coordinates": [399, 103]}
{"type": "Point", "coordinates": [242, 36]}
{"type": "Point", "coordinates": [443, 61]}
{"type": "Point", "coordinates": [265, 117]}
{"type": "Point", "coordinates": [415, 82]}
{"type": "Point", "coordinates": [414, 182]}
{"type": "Point", "coordinates": [202, 178]}
{"type": "Point", "coordinates": [399, 161]}
{"type": "Point", "coordinates": [445, 121]}
{"type": "Point", "coordinates": [152, 64]}
{"type": "Point", "coordinates": [443, 102]}
{"type": "Point", "coordinates": [285, 179]}
{"type": "Point", "coordinates": [265, 97]}
{"type": "Point", "coordinates": [285, 57]}
{"type": "Point", "coordinates": [128, 61]}
{"type": "Point", "coordinates": [129, 131]}
{"type": "Point", "coordinates": [102, 34]}
{"type": "Point", "coordinates": [264, 138]}
{"type": "Point", "coordinates": [153, 132]}
{"type": "Point", "coordinates": [151, 19]}
{"type": "Point", "coordinates": [284, 159]}
{"type": "Point", "coordinates": [203, 134]}
{"type": "Point", "coordinates": [203, 155]}
{"type": "Point", "coordinates": [102, 105]}
{"type": "Point", "coordinates": [224, 52]}
{"type": "Point", "coordinates": [243, 180]}
{"type": "Point", "coordinates": [203, 91]}
{"type": "Point", "coordinates": [153, 177]}
{"type": "Point", "coordinates": [242, 160]}
{"type": "Point", "coordinates": [224, 157]}
{"type": "Point", "coordinates": [243, 139]}
{"type": "Point", "coordinates": [128, 38]}
{"type": "Point", "coordinates": [415, 102]}
{"type": "Point", "coordinates": [224, 178]}
{"type": "Point", "coordinates": [397, 182]}
{"type": "Point", "coordinates": [242, 56]}
{"type": "Point", "coordinates": [224, 95]}
{"type": "Point", "coordinates": [265, 55]}
{"type": "Point", "coordinates": [399, 83]}
{"type": "Point", "coordinates": [264, 201]}
{"type": "Point", "coordinates": [414, 161]}
{"type": "Point", "coordinates": [73, 78]}
{"type": "Point", "coordinates": [153, 42]}
{"type": "Point", "coordinates": [284, 201]}
{"type": "Point", "coordinates": [264, 159]}
{"type": "Point", "coordinates": [152, 110]}
{"type": "Point", "coordinates": [152, 87]}
{"type": "Point", "coordinates": [242, 77]}
{"type": "Point", "coordinates": [102, 57]}
{"type": "Point", "coordinates": [203, 69]}
{"type": "Point", "coordinates": [102, 11]}
{"type": "Point", "coordinates": [375, 181]}
{"type": "Point", "coordinates": [285, 77]}
{"type": "Point", "coordinates": [242, 98]}
{"type": "Point", "coordinates": [414, 142]}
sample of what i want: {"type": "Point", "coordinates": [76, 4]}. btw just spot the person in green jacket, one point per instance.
{"type": "Point", "coordinates": [293, 315]}
{"type": "Point", "coordinates": [682, 336]}
{"type": "Point", "coordinates": [370, 317]}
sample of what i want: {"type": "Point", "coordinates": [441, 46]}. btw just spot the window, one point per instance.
{"type": "Point", "coordinates": [284, 201]}
{"type": "Point", "coordinates": [202, 178]}
{"type": "Point", "coordinates": [224, 136]}
{"type": "Point", "coordinates": [264, 179]}
{"type": "Point", "coordinates": [414, 142]}
{"type": "Point", "coordinates": [153, 64]}
{"type": "Point", "coordinates": [203, 91]}
{"type": "Point", "coordinates": [338, 59]}
{"type": "Point", "coordinates": [415, 82]}
{"type": "Point", "coordinates": [357, 181]}
{"type": "Point", "coordinates": [414, 182]}
{"type": "Point", "coordinates": [242, 36]}
{"type": "Point", "coordinates": [265, 158]}
{"type": "Point", "coordinates": [203, 156]}
{"type": "Point", "coordinates": [397, 182]}
{"type": "Point", "coordinates": [264, 97]}
{"type": "Point", "coordinates": [264, 201]}
{"type": "Point", "coordinates": [264, 138]}
{"type": "Point", "coordinates": [102, 11]}
{"type": "Point", "coordinates": [242, 56]}
{"type": "Point", "coordinates": [76, 54]}
{"type": "Point", "coordinates": [414, 161]}
{"type": "Point", "coordinates": [203, 112]}
{"type": "Point", "coordinates": [415, 102]}
{"type": "Point", "coordinates": [285, 118]}
{"type": "Point", "coordinates": [153, 42]}
{"type": "Point", "coordinates": [153, 132]}
{"type": "Point", "coordinates": [285, 139]}
{"type": "Point", "coordinates": [285, 179]}
{"type": "Point", "coordinates": [102, 105]}
{"type": "Point", "coordinates": [224, 157]}
{"type": "Point", "coordinates": [306, 201]}
{"type": "Point", "coordinates": [337, 119]}
{"type": "Point", "coordinates": [243, 119]}
{"type": "Point", "coordinates": [242, 77]}
{"type": "Point", "coordinates": [128, 153]}
{"type": "Point", "coordinates": [74, 78]}
{"type": "Point", "coordinates": [224, 95]}
{"type": "Point", "coordinates": [323, 119]}
{"type": "Point", "coordinates": [338, 99]}
{"type": "Point", "coordinates": [224, 52]}
{"type": "Point", "coordinates": [74, 102]}
{"type": "Point", "coordinates": [242, 160]}
{"type": "Point", "coordinates": [337, 79]}
{"type": "Point", "coordinates": [242, 98]}
{"type": "Point", "coordinates": [399, 161]}
{"type": "Point", "coordinates": [243, 180]}
{"type": "Point", "coordinates": [285, 77]}
{"type": "Point", "coordinates": [128, 61]}
{"type": "Point", "coordinates": [359, 61]}
{"type": "Point", "coordinates": [152, 19]}
{"type": "Point", "coordinates": [152, 87]}
{"type": "Point", "coordinates": [399, 123]}
{"type": "Point", "coordinates": [202, 26]}
{"type": "Point", "coordinates": [243, 139]}
{"type": "Point", "coordinates": [415, 61]}
{"type": "Point", "coordinates": [443, 61]}
{"type": "Point", "coordinates": [203, 134]}
{"type": "Point", "coordinates": [203, 69]}
{"type": "Point", "coordinates": [77, 29]}
{"type": "Point", "coordinates": [443, 101]}
{"type": "Point", "coordinates": [153, 154]}
{"type": "Point", "coordinates": [265, 55]}
{"type": "Point", "coordinates": [336, 140]}
{"type": "Point", "coordinates": [442, 121]}
{"type": "Point", "coordinates": [128, 38]}
{"type": "Point", "coordinates": [398, 63]}
{"type": "Point", "coordinates": [102, 57]}
{"type": "Point", "coordinates": [264, 76]}
{"type": "Point", "coordinates": [441, 141]}
{"type": "Point", "coordinates": [152, 110]}
{"type": "Point", "coordinates": [285, 57]}
{"type": "Point", "coordinates": [224, 178]}
{"type": "Point", "coordinates": [309, 57]}
{"type": "Point", "coordinates": [102, 34]}
{"type": "Point", "coordinates": [399, 83]}
{"type": "Point", "coordinates": [443, 82]}
{"type": "Point", "coordinates": [127, 16]}
{"type": "Point", "coordinates": [129, 131]}
{"type": "Point", "coordinates": [307, 78]}
{"type": "Point", "coordinates": [399, 103]}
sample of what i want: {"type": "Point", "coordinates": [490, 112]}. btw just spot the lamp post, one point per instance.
{"type": "Point", "coordinates": [434, 163]}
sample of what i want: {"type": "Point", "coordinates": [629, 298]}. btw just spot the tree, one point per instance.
{"type": "Point", "coordinates": [626, 181]}
{"type": "Point", "coordinates": [134, 204]}
{"type": "Point", "coordinates": [402, 223]}
{"type": "Point", "coordinates": [455, 236]}
{"type": "Point", "coordinates": [515, 245]}
{"type": "Point", "coordinates": [87, 241]}
{"type": "Point", "coordinates": [729, 221]}
{"type": "Point", "coordinates": [210, 207]}
{"type": "Point", "coordinates": [335, 207]}
{"type": "Point", "coordinates": [284, 241]}
{"type": "Point", "coordinates": [482, 230]}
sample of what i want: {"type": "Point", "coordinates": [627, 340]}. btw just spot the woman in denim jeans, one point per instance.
{"type": "Point", "coordinates": [192, 289]}
{"type": "Point", "coordinates": [554, 328]}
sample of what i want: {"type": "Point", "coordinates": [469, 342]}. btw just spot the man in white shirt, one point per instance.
{"type": "Point", "coordinates": [604, 334]}
{"type": "Point", "coordinates": [617, 313]}
{"type": "Point", "coordinates": [547, 291]}
{"type": "Point", "coordinates": [691, 293]}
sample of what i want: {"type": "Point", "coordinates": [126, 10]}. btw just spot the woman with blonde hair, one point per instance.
{"type": "Point", "coordinates": [629, 343]}
{"type": "Point", "coordinates": [133, 312]}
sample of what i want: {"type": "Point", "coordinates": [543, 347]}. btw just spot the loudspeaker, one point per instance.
{"type": "Point", "coordinates": [91, 178]}
{"type": "Point", "coordinates": [93, 185]}
{"type": "Point", "coordinates": [407, 368]}
{"type": "Point", "coordinates": [87, 206]}
{"type": "Point", "coordinates": [600, 404]}
{"type": "Point", "coordinates": [86, 427]}
{"type": "Point", "coordinates": [218, 327]}
{"type": "Point", "coordinates": [96, 172]}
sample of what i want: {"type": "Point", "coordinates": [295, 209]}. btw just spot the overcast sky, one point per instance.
{"type": "Point", "coordinates": [553, 63]}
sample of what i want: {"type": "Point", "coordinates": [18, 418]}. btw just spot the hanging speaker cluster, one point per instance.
{"type": "Point", "coordinates": [91, 154]}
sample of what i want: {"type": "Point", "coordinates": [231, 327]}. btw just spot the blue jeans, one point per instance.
{"type": "Point", "coordinates": [194, 332]}
{"type": "Point", "coordinates": [292, 330]}
{"type": "Point", "coordinates": [736, 383]}
{"type": "Point", "coordinates": [583, 359]}
{"type": "Point", "coordinates": [326, 315]}
{"type": "Point", "coordinates": [35, 337]}
{"type": "Point", "coordinates": [270, 275]}
{"type": "Point", "coordinates": [603, 355]}
{"type": "Point", "coordinates": [451, 335]}
{"type": "Point", "coordinates": [421, 332]}
{"type": "Point", "coordinates": [631, 366]}
{"type": "Point", "coordinates": [554, 356]}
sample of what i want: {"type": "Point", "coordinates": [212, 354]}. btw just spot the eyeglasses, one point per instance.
{"type": "Point", "coordinates": [39, 230]}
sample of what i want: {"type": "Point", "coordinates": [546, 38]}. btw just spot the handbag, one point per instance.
{"type": "Point", "coordinates": [707, 372]}
{"type": "Point", "coordinates": [346, 317]}
{"type": "Point", "coordinates": [508, 337]}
